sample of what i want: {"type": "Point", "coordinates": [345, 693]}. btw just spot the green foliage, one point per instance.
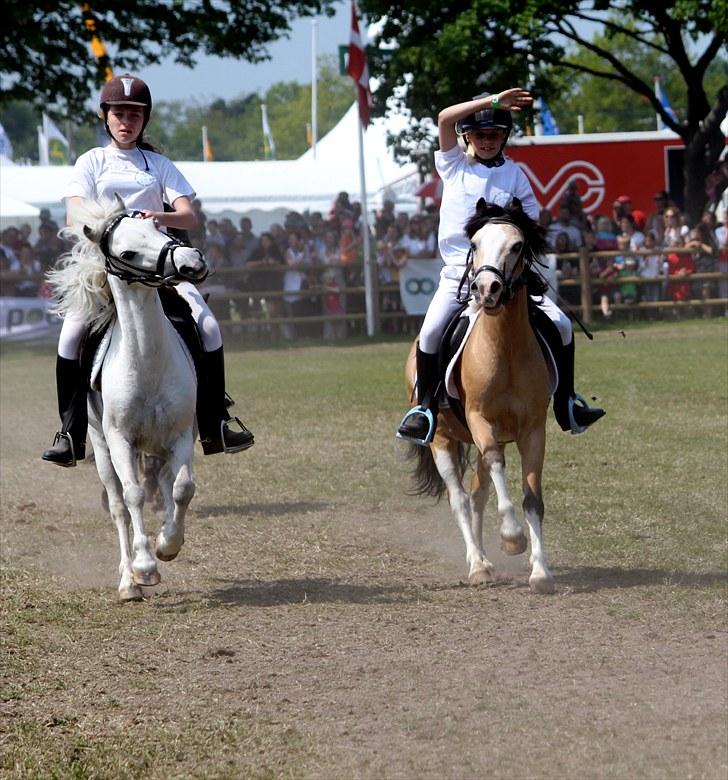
{"type": "Point", "coordinates": [607, 107]}
{"type": "Point", "coordinates": [45, 55]}
{"type": "Point", "coordinates": [431, 56]}
{"type": "Point", "coordinates": [234, 127]}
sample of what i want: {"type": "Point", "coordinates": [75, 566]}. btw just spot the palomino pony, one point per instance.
{"type": "Point", "coordinates": [148, 386]}
{"type": "Point", "coordinates": [503, 385]}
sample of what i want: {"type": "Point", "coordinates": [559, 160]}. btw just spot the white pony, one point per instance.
{"type": "Point", "coordinates": [148, 386]}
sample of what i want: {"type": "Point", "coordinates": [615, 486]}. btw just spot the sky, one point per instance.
{"type": "Point", "coordinates": [214, 77]}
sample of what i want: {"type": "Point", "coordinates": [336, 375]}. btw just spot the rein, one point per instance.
{"type": "Point", "coordinates": [511, 285]}
{"type": "Point", "coordinates": [130, 273]}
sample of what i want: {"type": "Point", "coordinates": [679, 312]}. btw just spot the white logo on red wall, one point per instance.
{"type": "Point", "coordinates": [591, 184]}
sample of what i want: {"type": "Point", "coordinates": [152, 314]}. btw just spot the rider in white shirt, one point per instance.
{"type": "Point", "coordinates": [145, 180]}
{"type": "Point", "coordinates": [471, 170]}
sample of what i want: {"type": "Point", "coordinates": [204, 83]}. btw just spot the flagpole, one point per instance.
{"type": "Point", "coordinates": [369, 286]}
{"type": "Point", "coordinates": [314, 85]}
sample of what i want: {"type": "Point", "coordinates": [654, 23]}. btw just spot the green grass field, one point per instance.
{"type": "Point", "coordinates": [307, 628]}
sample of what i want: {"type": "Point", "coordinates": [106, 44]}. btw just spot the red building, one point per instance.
{"type": "Point", "coordinates": [605, 166]}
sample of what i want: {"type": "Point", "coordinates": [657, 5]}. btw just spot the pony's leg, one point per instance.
{"type": "Point", "coordinates": [513, 539]}
{"type": "Point", "coordinates": [492, 455]}
{"type": "Point", "coordinates": [114, 500]}
{"type": "Point", "coordinates": [532, 451]}
{"type": "Point", "coordinates": [479, 490]}
{"type": "Point", "coordinates": [177, 496]}
{"type": "Point", "coordinates": [143, 565]}
{"type": "Point", "coordinates": [481, 570]}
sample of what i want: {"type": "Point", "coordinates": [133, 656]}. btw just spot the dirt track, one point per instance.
{"type": "Point", "coordinates": [301, 637]}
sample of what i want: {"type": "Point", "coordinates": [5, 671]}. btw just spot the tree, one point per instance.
{"type": "Point", "coordinates": [424, 53]}
{"type": "Point", "coordinates": [45, 56]}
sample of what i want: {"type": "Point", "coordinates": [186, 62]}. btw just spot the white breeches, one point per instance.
{"type": "Point", "coordinates": [74, 328]}
{"type": "Point", "coordinates": [444, 304]}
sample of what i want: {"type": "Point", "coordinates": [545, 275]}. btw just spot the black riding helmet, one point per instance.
{"type": "Point", "coordinates": [488, 117]}
{"type": "Point", "coordinates": [128, 90]}
{"type": "Point", "coordinates": [496, 118]}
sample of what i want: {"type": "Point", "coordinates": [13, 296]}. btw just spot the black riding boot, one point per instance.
{"type": "Point", "coordinates": [69, 444]}
{"type": "Point", "coordinates": [418, 425]}
{"type": "Point", "coordinates": [571, 411]}
{"type": "Point", "coordinates": [212, 417]}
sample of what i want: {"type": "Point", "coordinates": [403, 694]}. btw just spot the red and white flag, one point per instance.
{"type": "Point", "coordinates": [358, 70]}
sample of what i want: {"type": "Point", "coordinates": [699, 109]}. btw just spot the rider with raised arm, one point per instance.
{"type": "Point", "coordinates": [145, 180]}
{"type": "Point", "coordinates": [481, 170]}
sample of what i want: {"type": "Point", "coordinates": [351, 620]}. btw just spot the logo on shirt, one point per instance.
{"type": "Point", "coordinates": [144, 179]}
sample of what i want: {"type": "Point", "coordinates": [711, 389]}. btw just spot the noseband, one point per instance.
{"type": "Point", "coordinates": [130, 273]}
{"type": "Point", "coordinates": [511, 285]}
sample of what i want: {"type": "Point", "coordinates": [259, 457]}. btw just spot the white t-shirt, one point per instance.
{"type": "Point", "coordinates": [464, 183]}
{"type": "Point", "coordinates": [103, 171]}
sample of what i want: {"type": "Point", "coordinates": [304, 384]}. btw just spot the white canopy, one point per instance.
{"type": "Point", "coordinates": [14, 212]}
{"type": "Point", "coordinates": [263, 190]}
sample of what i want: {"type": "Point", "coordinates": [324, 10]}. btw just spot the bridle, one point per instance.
{"type": "Point", "coordinates": [130, 273]}
{"type": "Point", "coordinates": [511, 285]}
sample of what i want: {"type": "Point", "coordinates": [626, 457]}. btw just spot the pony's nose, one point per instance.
{"type": "Point", "coordinates": [192, 265]}
{"type": "Point", "coordinates": [489, 290]}
{"type": "Point", "coordinates": [192, 271]}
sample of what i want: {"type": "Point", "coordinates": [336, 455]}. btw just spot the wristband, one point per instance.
{"type": "Point", "coordinates": [494, 101]}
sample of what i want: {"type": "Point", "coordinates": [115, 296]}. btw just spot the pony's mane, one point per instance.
{"type": "Point", "coordinates": [534, 236]}
{"type": "Point", "coordinates": [79, 281]}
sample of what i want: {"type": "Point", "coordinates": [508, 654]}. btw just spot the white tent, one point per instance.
{"type": "Point", "coordinates": [15, 212]}
{"type": "Point", "coordinates": [264, 190]}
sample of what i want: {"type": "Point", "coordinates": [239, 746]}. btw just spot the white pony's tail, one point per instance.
{"type": "Point", "coordinates": [79, 282]}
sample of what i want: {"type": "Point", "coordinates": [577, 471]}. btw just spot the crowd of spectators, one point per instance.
{"type": "Point", "coordinates": [639, 246]}
{"type": "Point", "coordinates": [310, 265]}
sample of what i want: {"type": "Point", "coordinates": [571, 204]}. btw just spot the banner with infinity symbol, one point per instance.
{"type": "Point", "coordinates": [418, 281]}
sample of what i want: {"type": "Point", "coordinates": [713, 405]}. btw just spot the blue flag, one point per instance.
{"type": "Point", "coordinates": [547, 120]}
{"type": "Point", "coordinates": [664, 102]}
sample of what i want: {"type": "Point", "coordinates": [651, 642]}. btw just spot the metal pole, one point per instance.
{"type": "Point", "coordinates": [369, 270]}
{"type": "Point", "coordinates": [314, 85]}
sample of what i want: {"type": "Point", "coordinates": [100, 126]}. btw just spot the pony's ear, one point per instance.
{"type": "Point", "coordinates": [119, 202]}
{"type": "Point", "coordinates": [88, 232]}
{"type": "Point", "coordinates": [516, 204]}
{"type": "Point", "coordinates": [481, 207]}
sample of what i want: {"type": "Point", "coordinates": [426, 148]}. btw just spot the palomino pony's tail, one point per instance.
{"type": "Point", "coordinates": [426, 478]}
{"type": "Point", "coordinates": [78, 279]}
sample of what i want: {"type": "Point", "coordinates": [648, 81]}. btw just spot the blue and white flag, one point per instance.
{"type": "Point", "coordinates": [6, 148]}
{"type": "Point", "coordinates": [665, 103]}
{"type": "Point", "coordinates": [547, 120]}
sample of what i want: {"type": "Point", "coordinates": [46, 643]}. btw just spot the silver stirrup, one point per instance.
{"type": "Point", "coordinates": [431, 423]}
{"type": "Point", "coordinates": [240, 447]}
{"type": "Point", "coordinates": [61, 435]}
{"type": "Point", "coordinates": [575, 427]}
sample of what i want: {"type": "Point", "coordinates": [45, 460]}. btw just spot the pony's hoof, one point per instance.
{"type": "Point", "coordinates": [514, 545]}
{"type": "Point", "coordinates": [148, 578]}
{"type": "Point", "coordinates": [166, 551]}
{"type": "Point", "coordinates": [131, 593]}
{"type": "Point", "coordinates": [544, 586]}
{"type": "Point", "coordinates": [484, 576]}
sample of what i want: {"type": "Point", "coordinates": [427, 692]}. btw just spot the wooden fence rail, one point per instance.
{"type": "Point", "coordinates": [242, 309]}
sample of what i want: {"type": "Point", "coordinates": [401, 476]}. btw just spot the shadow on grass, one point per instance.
{"type": "Point", "coordinates": [257, 593]}
{"type": "Point", "coordinates": [270, 509]}
{"type": "Point", "coordinates": [588, 579]}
